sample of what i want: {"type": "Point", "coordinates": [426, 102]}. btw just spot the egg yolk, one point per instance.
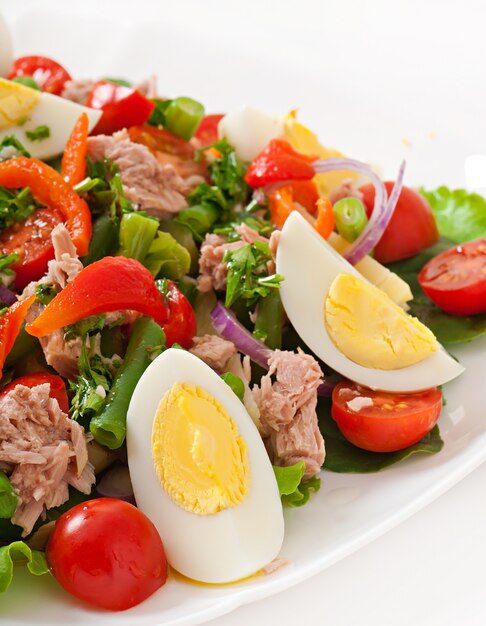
{"type": "Point", "coordinates": [199, 456]}
{"type": "Point", "coordinates": [16, 102]}
{"type": "Point", "coordinates": [370, 329]}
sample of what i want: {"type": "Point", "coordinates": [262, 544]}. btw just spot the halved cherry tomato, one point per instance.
{"type": "Point", "coordinates": [107, 553]}
{"type": "Point", "coordinates": [31, 240]}
{"type": "Point", "coordinates": [73, 165]}
{"type": "Point", "coordinates": [57, 392]}
{"type": "Point", "coordinates": [122, 107]}
{"type": "Point", "coordinates": [47, 73]}
{"type": "Point", "coordinates": [412, 227]}
{"type": "Point", "coordinates": [10, 324]}
{"type": "Point", "coordinates": [392, 421]}
{"type": "Point", "coordinates": [456, 279]}
{"type": "Point", "coordinates": [278, 161]}
{"type": "Point", "coordinates": [181, 326]}
{"type": "Point", "coordinates": [207, 131]}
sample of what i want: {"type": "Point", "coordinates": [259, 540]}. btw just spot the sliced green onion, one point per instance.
{"type": "Point", "coordinates": [137, 233]}
{"type": "Point", "coordinates": [182, 116]}
{"type": "Point", "coordinates": [28, 81]}
{"type": "Point", "coordinates": [350, 218]}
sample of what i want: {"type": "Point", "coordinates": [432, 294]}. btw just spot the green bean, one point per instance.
{"type": "Point", "coordinates": [24, 345]}
{"type": "Point", "coordinates": [350, 217]}
{"type": "Point", "coordinates": [109, 428]}
{"type": "Point", "coordinates": [104, 240]}
{"type": "Point", "coordinates": [235, 383]}
{"type": "Point", "coordinates": [269, 319]}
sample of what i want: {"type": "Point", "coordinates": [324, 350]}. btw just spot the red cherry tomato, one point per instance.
{"type": "Point", "coordinates": [207, 131]}
{"type": "Point", "coordinates": [412, 226]}
{"type": "Point", "coordinates": [394, 421]}
{"type": "Point", "coordinates": [58, 388]}
{"type": "Point", "coordinates": [181, 325]}
{"type": "Point", "coordinates": [107, 553]}
{"type": "Point", "coordinates": [122, 107]}
{"type": "Point", "coordinates": [47, 73]}
{"type": "Point", "coordinates": [31, 240]}
{"type": "Point", "coordinates": [456, 279]}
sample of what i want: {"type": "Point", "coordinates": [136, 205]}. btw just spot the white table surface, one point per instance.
{"type": "Point", "coordinates": [430, 569]}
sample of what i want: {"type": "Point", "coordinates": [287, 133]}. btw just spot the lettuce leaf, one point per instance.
{"type": "Point", "coordinates": [19, 553]}
{"type": "Point", "coordinates": [166, 257]}
{"type": "Point", "coordinates": [8, 499]}
{"type": "Point", "coordinates": [460, 215]}
{"type": "Point", "coordinates": [292, 490]}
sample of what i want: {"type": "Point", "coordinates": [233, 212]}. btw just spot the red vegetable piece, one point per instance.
{"type": "Point", "coordinates": [47, 73]}
{"type": "Point", "coordinates": [58, 388]}
{"type": "Point", "coordinates": [207, 131]}
{"type": "Point", "coordinates": [111, 284]}
{"type": "Point", "coordinates": [73, 165]}
{"type": "Point", "coordinates": [181, 325]}
{"type": "Point", "coordinates": [278, 162]}
{"type": "Point", "coordinates": [10, 324]}
{"type": "Point", "coordinates": [121, 106]}
{"type": "Point", "coordinates": [51, 189]}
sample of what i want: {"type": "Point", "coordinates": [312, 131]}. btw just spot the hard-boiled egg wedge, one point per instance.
{"type": "Point", "coordinates": [6, 55]}
{"type": "Point", "coordinates": [351, 325]}
{"type": "Point", "coordinates": [23, 110]}
{"type": "Point", "coordinates": [200, 471]}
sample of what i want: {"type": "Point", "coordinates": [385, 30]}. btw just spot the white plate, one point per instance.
{"type": "Point", "coordinates": [222, 65]}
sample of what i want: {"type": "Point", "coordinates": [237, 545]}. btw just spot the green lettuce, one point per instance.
{"type": "Point", "coordinates": [19, 553]}
{"type": "Point", "coordinates": [294, 491]}
{"type": "Point", "coordinates": [8, 499]}
{"type": "Point", "coordinates": [460, 215]}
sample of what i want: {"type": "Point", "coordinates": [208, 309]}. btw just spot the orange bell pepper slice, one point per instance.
{"type": "Point", "coordinates": [111, 284]}
{"type": "Point", "coordinates": [325, 218]}
{"type": "Point", "coordinates": [73, 164]}
{"type": "Point", "coordinates": [10, 324]}
{"type": "Point", "coordinates": [51, 189]}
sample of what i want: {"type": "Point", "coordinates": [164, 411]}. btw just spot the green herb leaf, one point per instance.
{"type": "Point", "coordinates": [104, 189]}
{"type": "Point", "coordinates": [460, 215]}
{"type": "Point", "coordinates": [227, 173]}
{"type": "Point", "coordinates": [6, 260]}
{"type": "Point", "coordinates": [11, 147]}
{"type": "Point", "coordinates": [294, 491]}
{"type": "Point", "coordinates": [28, 81]}
{"type": "Point", "coordinates": [167, 258]}
{"type": "Point", "coordinates": [84, 327]}
{"type": "Point", "coordinates": [117, 81]}
{"type": "Point", "coordinates": [343, 457]}
{"type": "Point", "coordinates": [157, 118]}
{"type": "Point", "coordinates": [15, 206]}
{"type": "Point", "coordinates": [8, 499]}
{"type": "Point", "coordinates": [45, 292]}
{"type": "Point", "coordinates": [39, 133]}
{"type": "Point", "coordinates": [19, 553]}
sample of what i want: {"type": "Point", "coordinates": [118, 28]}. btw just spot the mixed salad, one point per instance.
{"type": "Point", "coordinates": [199, 313]}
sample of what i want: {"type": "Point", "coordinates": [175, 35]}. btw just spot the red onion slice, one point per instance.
{"type": "Point", "coordinates": [7, 296]}
{"type": "Point", "coordinates": [382, 209]}
{"type": "Point", "coordinates": [116, 483]}
{"type": "Point", "coordinates": [226, 325]}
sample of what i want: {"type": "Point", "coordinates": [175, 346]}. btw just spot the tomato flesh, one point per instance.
{"type": "Point", "coordinates": [456, 279]}
{"type": "Point", "coordinates": [47, 73]}
{"type": "Point", "coordinates": [381, 421]}
{"type": "Point", "coordinates": [412, 227]}
{"type": "Point", "coordinates": [182, 325]}
{"type": "Point", "coordinates": [207, 131]}
{"type": "Point", "coordinates": [31, 240]}
{"type": "Point", "coordinates": [57, 392]}
{"type": "Point", "coordinates": [107, 553]}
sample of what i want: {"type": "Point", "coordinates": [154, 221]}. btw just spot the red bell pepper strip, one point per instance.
{"type": "Point", "coordinates": [58, 388]}
{"type": "Point", "coordinates": [278, 162]}
{"type": "Point", "coordinates": [10, 323]}
{"type": "Point", "coordinates": [325, 218]}
{"type": "Point", "coordinates": [121, 106]}
{"type": "Point", "coordinates": [111, 284]}
{"type": "Point", "coordinates": [51, 189]}
{"type": "Point", "coordinates": [181, 325]}
{"type": "Point", "coordinates": [282, 200]}
{"type": "Point", "coordinates": [73, 164]}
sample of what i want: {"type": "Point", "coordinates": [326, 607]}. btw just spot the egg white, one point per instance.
{"type": "Point", "coordinates": [224, 546]}
{"type": "Point", "coordinates": [6, 53]}
{"type": "Point", "coordinates": [60, 115]}
{"type": "Point", "coordinates": [309, 265]}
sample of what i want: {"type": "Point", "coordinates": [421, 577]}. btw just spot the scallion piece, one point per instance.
{"type": "Point", "coordinates": [182, 116]}
{"type": "Point", "coordinates": [350, 218]}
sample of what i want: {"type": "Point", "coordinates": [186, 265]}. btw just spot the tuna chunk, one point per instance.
{"type": "Point", "coordinates": [288, 410]}
{"type": "Point", "coordinates": [77, 90]}
{"type": "Point", "coordinates": [347, 189]}
{"type": "Point", "coordinates": [154, 187]}
{"type": "Point", "coordinates": [45, 450]}
{"type": "Point", "coordinates": [213, 350]}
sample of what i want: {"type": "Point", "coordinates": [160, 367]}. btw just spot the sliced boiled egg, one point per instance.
{"type": "Point", "coordinates": [6, 54]}
{"type": "Point", "coordinates": [200, 471]}
{"type": "Point", "coordinates": [23, 110]}
{"type": "Point", "coordinates": [349, 323]}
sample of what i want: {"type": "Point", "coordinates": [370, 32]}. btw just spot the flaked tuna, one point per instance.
{"type": "Point", "coordinates": [213, 350]}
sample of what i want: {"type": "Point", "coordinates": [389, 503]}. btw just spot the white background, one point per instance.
{"type": "Point", "coordinates": [408, 79]}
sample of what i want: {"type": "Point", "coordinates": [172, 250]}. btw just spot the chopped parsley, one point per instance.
{"type": "Point", "coordinates": [85, 327]}
{"type": "Point", "coordinates": [45, 292]}
{"type": "Point", "coordinates": [38, 134]}
{"type": "Point", "coordinates": [104, 189]}
{"type": "Point", "coordinates": [11, 147]}
{"type": "Point", "coordinates": [15, 206]}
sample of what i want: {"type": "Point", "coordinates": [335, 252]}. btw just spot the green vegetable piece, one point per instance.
{"type": "Point", "coordinates": [39, 134]}
{"type": "Point", "coordinates": [104, 240]}
{"type": "Point", "coordinates": [350, 218]}
{"type": "Point", "coordinates": [343, 457]}
{"type": "Point", "coordinates": [460, 215]}
{"type": "Point", "coordinates": [28, 81]}
{"type": "Point", "coordinates": [24, 345]}
{"type": "Point", "coordinates": [180, 116]}
{"type": "Point", "coordinates": [157, 117]}
{"type": "Point", "coordinates": [11, 147]}
{"type": "Point", "coordinates": [19, 552]}
{"type": "Point", "coordinates": [292, 490]}
{"type": "Point", "coordinates": [137, 232]}
{"type": "Point", "coordinates": [8, 499]}
{"type": "Point", "coordinates": [166, 258]}
{"type": "Point", "coordinates": [184, 237]}
{"type": "Point", "coordinates": [15, 206]}
{"type": "Point", "coordinates": [45, 292]}
{"type": "Point", "coordinates": [269, 320]}
{"type": "Point", "coordinates": [117, 81]}
{"type": "Point", "coordinates": [198, 219]}
{"type": "Point", "coordinates": [235, 383]}
{"type": "Point", "coordinates": [109, 428]}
